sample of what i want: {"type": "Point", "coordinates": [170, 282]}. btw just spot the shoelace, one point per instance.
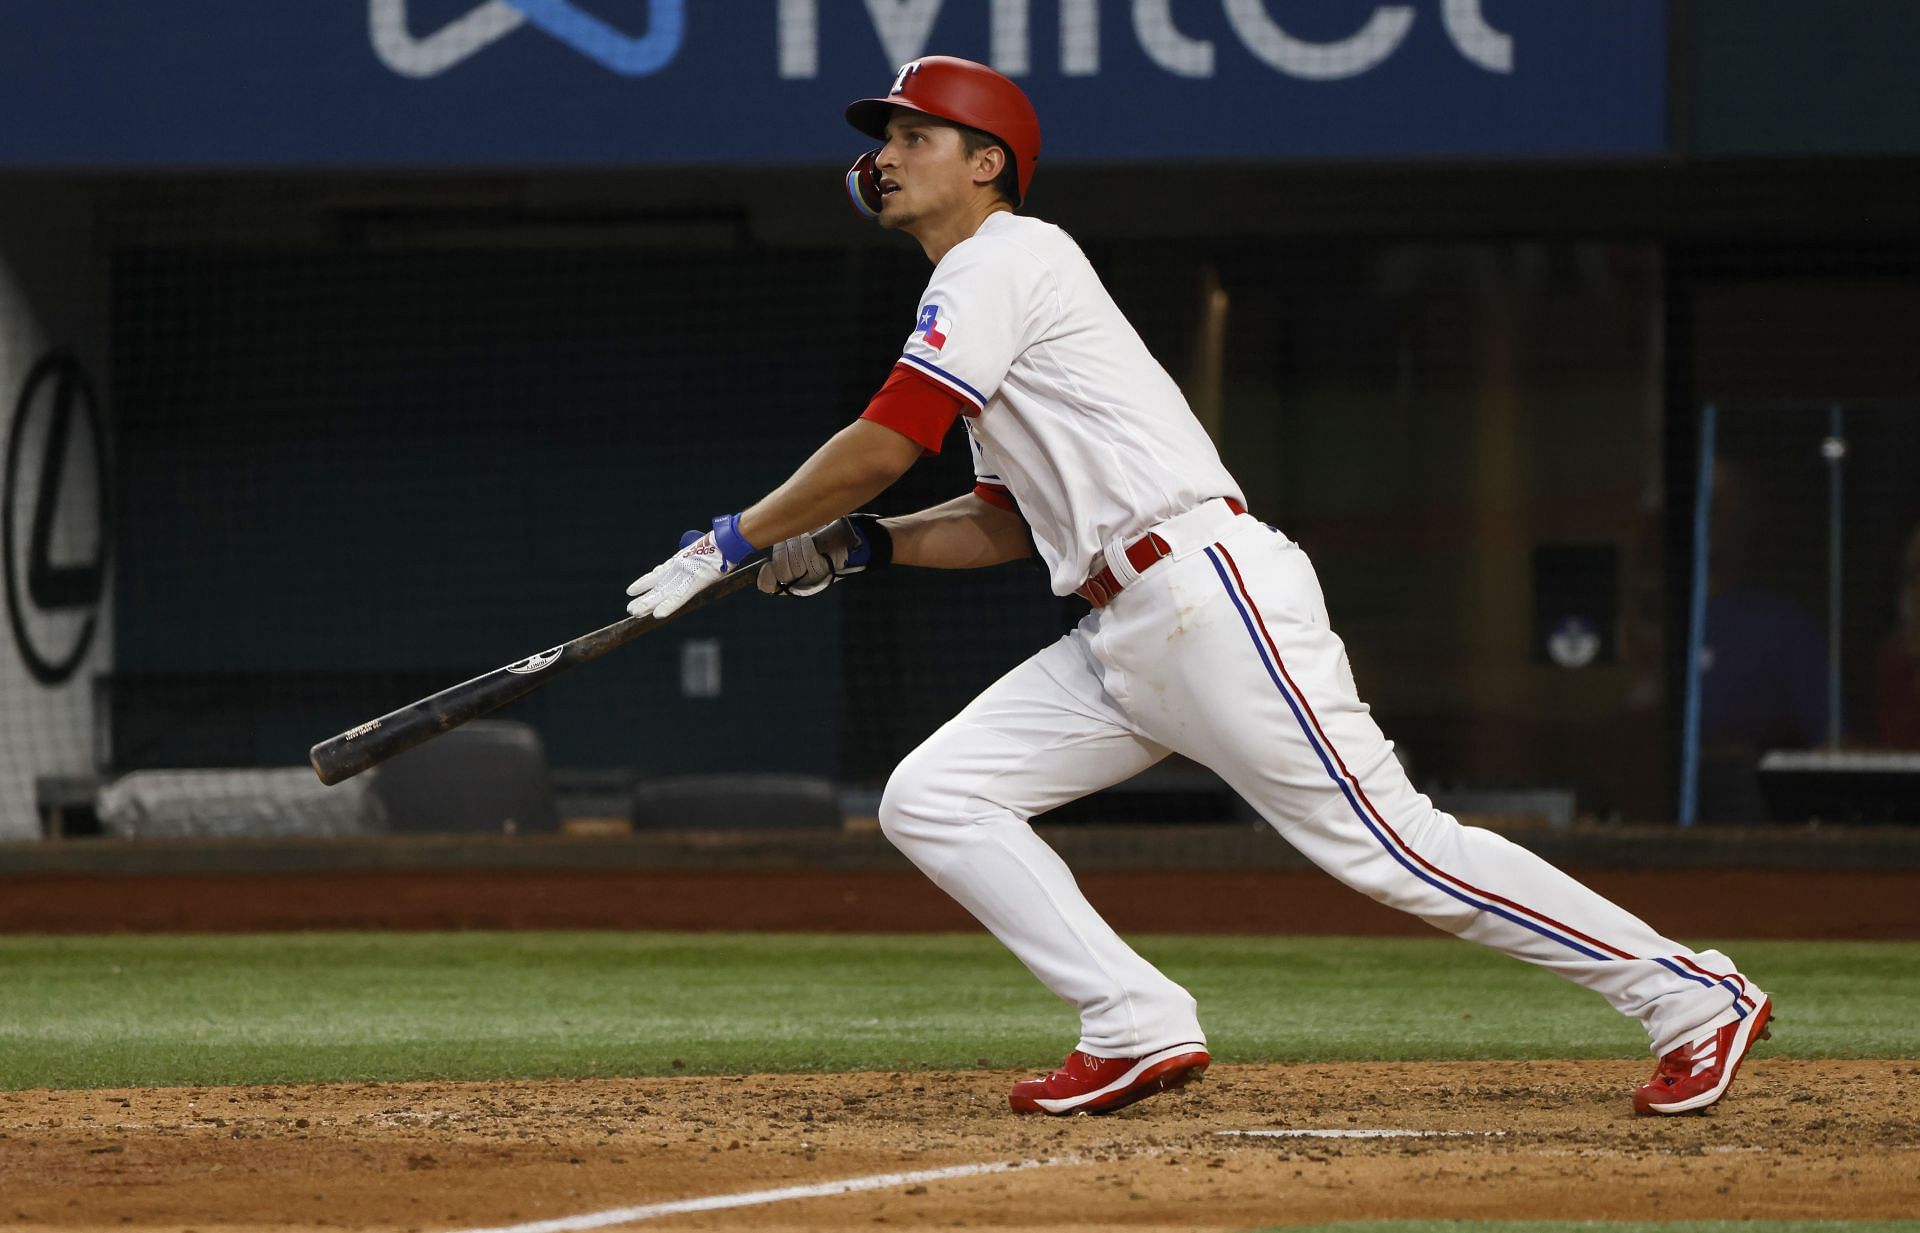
{"type": "Point", "coordinates": [1678, 1064]}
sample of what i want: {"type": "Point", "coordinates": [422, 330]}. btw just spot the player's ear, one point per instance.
{"type": "Point", "coordinates": [988, 163]}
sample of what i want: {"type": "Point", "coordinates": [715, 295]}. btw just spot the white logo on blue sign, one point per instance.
{"type": "Point", "coordinates": [904, 30]}
{"type": "Point", "coordinates": [481, 27]}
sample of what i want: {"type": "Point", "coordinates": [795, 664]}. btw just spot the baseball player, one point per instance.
{"type": "Point", "coordinates": [1208, 636]}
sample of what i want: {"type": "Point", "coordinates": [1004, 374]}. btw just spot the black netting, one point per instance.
{"type": "Point", "coordinates": [1811, 583]}
{"type": "Point", "coordinates": [370, 437]}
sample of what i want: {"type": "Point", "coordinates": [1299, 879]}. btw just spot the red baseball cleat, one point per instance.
{"type": "Point", "coordinates": [1698, 1073]}
{"type": "Point", "coordinates": [1088, 1084]}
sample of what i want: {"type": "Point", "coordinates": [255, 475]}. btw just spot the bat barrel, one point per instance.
{"type": "Point", "coordinates": [342, 757]}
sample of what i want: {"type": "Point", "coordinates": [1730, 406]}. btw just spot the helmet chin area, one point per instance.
{"type": "Point", "coordinates": [863, 186]}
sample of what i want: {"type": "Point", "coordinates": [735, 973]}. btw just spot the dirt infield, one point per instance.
{"type": "Point", "coordinates": [1533, 1139]}
{"type": "Point", "coordinates": [1685, 903]}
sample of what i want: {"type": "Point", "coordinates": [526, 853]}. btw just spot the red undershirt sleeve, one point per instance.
{"type": "Point", "coordinates": [918, 408]}
{"type": "Point", "coordinates": [994, 494]}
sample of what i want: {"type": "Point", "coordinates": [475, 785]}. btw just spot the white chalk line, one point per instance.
{"type": "Point", "coordinates": [753, 1198]}
{"type": "Point", "coordinates": [1360, 1134]}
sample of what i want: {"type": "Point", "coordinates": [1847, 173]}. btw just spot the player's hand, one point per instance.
{"type": "Point", "coordinates": [702, 560]}
{"type": "Point", "coordinates": [798, 567]}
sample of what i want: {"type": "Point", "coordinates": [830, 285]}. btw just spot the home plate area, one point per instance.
{"type": "Point", "coordinates": [1249, 1147]}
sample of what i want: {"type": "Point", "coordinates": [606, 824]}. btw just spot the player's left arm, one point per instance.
{"type": "Point", "coordinates": [980, 529]}
{"type": "Point", "coordinates": [856, 464]}
{"type": "Point", "coordinates": [940, 375]}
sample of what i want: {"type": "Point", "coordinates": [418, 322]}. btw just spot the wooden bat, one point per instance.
{"type": "Point", "coordinates": [346, 755]}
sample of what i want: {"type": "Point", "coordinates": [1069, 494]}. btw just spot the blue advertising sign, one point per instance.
{"type": "Point", "coordinates": [522, 83]}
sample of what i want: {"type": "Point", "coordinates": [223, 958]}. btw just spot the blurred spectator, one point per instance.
{"type": "Point", "coordinates": [1764, 668]}
{"type": "Point", "coordinates": [1896, 675]}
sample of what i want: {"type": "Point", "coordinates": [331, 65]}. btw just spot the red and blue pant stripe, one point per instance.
{"type": "Point", "coordinates": [1396, 847]}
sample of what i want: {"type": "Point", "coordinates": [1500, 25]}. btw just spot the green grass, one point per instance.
{"type": "Point", "coordinates": [1610, 1226]}
{"type": "Point", "coordinates": [133, 1011]}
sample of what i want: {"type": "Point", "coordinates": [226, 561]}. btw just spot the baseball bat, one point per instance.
{"type": "Point", "coordinates": [341, 757]}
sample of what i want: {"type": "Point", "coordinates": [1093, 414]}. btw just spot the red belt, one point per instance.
{"type": "Point", "coordinates": [1101, 586]}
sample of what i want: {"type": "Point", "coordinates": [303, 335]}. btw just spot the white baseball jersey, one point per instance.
{"type": "Point", "coordinates": [1068, 409]}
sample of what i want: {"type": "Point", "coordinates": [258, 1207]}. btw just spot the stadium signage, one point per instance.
{"type": "Point", "coordinates": [905, 26]}
{"type": "Point", "coordinates": [56, 398]}
{"type": "Point", "coordinates": [479, 28]}
{"type": "Point", "coordinates": [753, 83]}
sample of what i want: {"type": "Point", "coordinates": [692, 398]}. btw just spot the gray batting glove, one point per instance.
{"type": "Point", "coordinates": [796, 568]}
{"type": "Point", "coordinates": [856, 544]}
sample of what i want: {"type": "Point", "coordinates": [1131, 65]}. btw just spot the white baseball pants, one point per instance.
{"type": "Point", "coordinates": [1223, 653]}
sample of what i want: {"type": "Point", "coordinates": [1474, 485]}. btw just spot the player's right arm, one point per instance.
{"type": "Point", "coordinates": [968, 532]}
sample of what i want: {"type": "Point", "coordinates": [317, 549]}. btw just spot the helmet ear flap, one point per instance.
{"type": "Point", "coordinates": [863, 185]}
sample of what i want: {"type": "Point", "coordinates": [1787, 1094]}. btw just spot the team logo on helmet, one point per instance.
{"type": "Point", "coordinates": [900, 82]}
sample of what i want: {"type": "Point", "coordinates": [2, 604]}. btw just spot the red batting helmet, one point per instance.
{"type": "Point", "coordinates": [965, 93]}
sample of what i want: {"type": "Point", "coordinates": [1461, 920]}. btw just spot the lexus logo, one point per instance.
{"type": "Point", "coordinates": [565, 20]}
{"type": "Point", "coordinates": [53, 518]}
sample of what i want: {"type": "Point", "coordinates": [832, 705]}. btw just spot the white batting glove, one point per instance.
{"type": "Point", "coordinates": [701, 561]}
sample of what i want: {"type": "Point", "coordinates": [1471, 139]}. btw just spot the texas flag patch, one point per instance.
{"type": "Point", "coordinates": [932, 326]}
